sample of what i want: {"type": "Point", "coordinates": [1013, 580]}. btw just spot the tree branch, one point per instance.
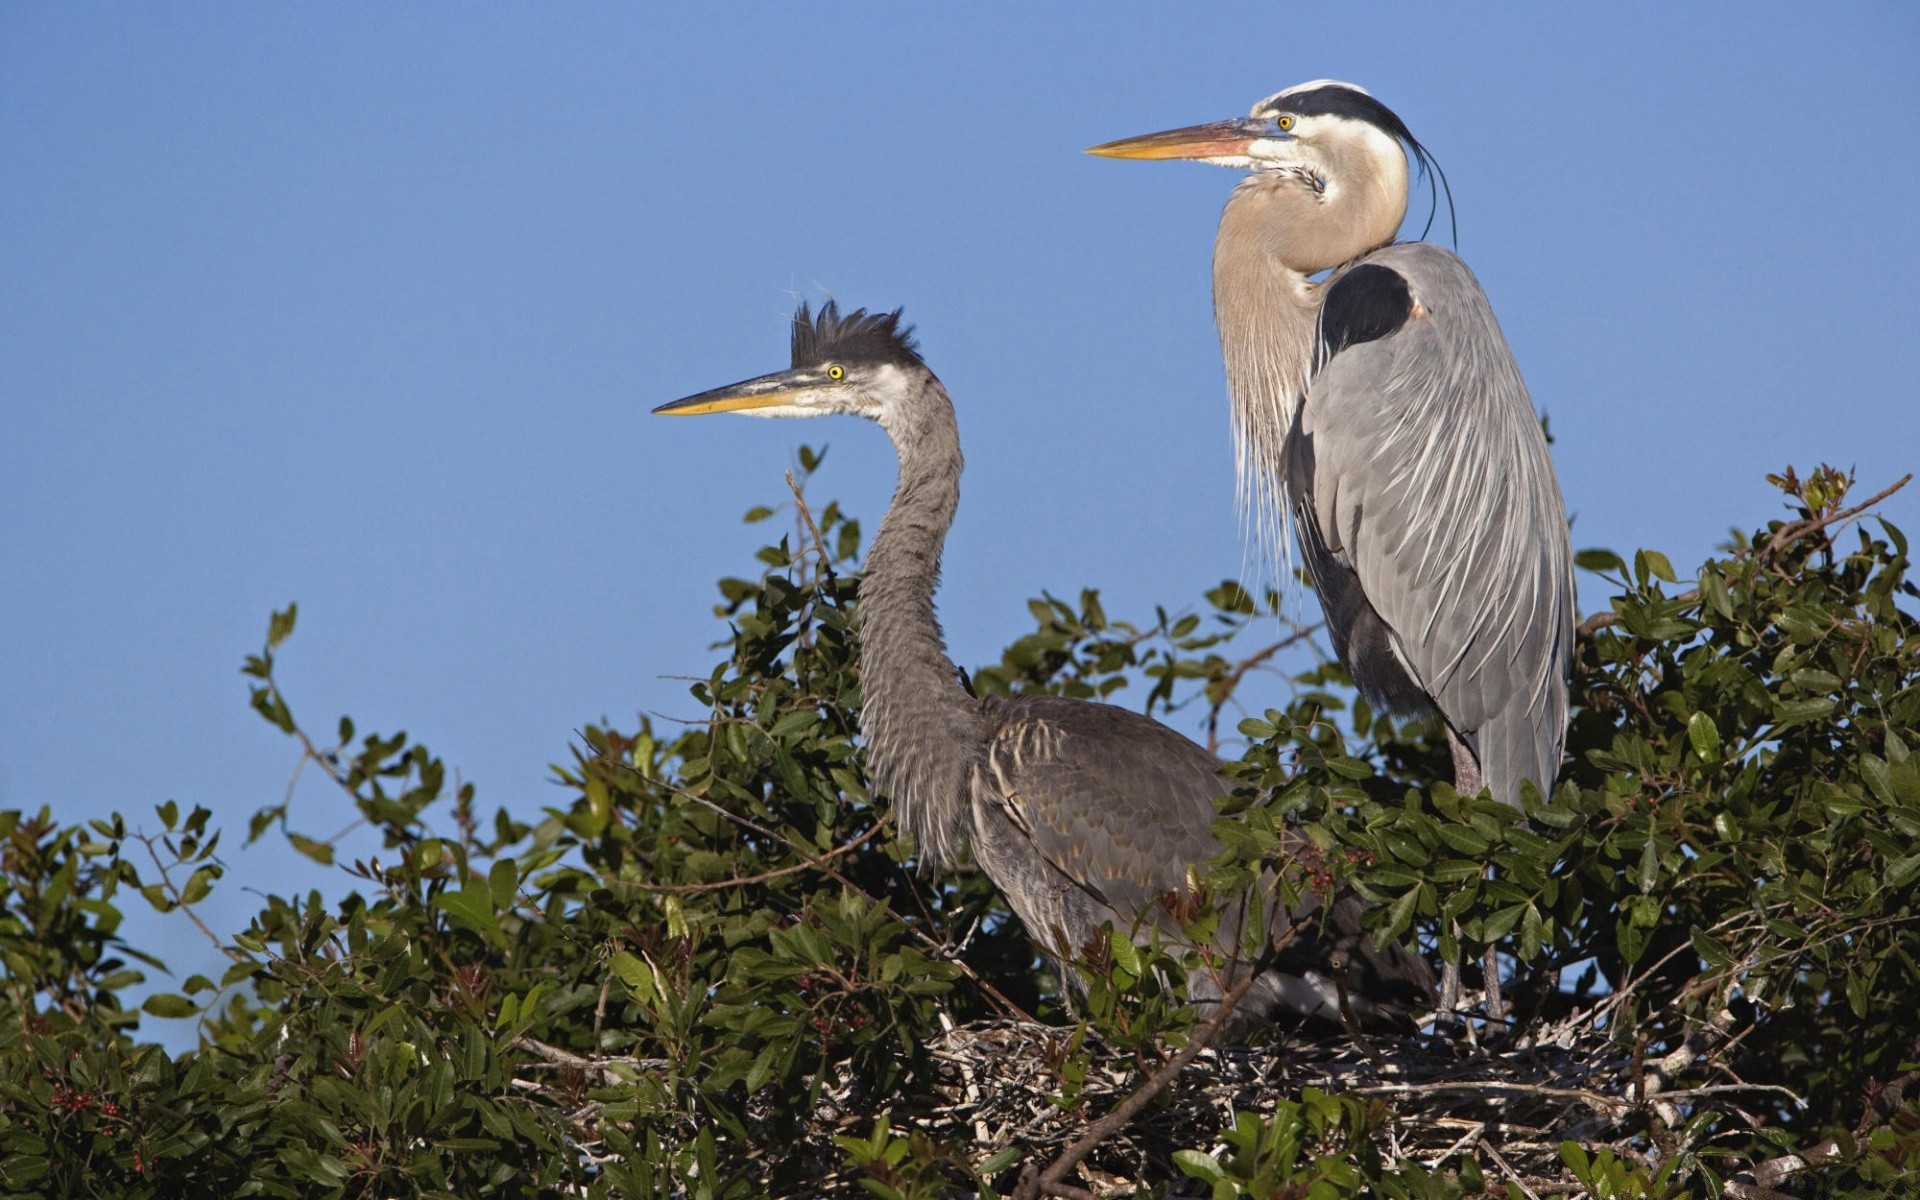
{"type": "Point", "coordinates": [1050, 1182]}
{"type": "Point", "coordinates": [1782, 537]}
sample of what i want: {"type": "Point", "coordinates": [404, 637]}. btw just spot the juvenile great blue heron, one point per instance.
{"type": "Point", "coordinates": [1381, 410]}
{"type": "Point", "coordinates": [1081, 813]}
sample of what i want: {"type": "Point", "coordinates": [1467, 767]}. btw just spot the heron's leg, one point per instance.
{"type": "Point", "coordinates": [1450, 983]}
{"type": "Point", "coordinates": [1467, 779]}
{"type": "Point", "coordinates": [1465, 782]}
{"type": "Point", "coordinates": [1496, 1004]}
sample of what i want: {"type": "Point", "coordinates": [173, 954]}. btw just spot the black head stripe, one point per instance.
{"type": "Point", "coordinates": [1363, 305]}
{"type": "Point", "coordinates": [858, 337]}
{"type": "Point", "coordinates": [1336, 101]}
{"type": "Point", "coordinates": [1341, 100]}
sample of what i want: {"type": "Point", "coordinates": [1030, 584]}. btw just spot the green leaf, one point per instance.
{"type": "Point", "coordinates": [1400, 915]}
{"type": "Point", "coordinates": [1654, 563]}
{"type": "Point", "coordinates": [166, 1004]}
{"type": "Point", "coordinates": [503, 883]}
{"type": "Point", "coordinates": [1901, 871]}
{"type": "Point", "coordinates": [280, 625]}
{"type": "Point", "coordinates": [1704, 736]}
{"type": "Point", "coordinates": [634, 973]}
{"type": "Point", "coordinates": [199, 884]}
{"type": "Point", "coordinates": [318, 851]}
{"type": "Point", "coordinates": [1713, 592]}
{"type": "Point", "coordinates": [1799, 712]}
{"type": "Point", "coordinates": [794, 722]}
{"type": "Point", "coordinates": [1599, 561]}
{"type": "Point", "coordinates": [1197, 1165]}
{"type": "Point", "coordinates": [472, 909]}
{"type": "Point", "coordinates": [1711, 949]}
{"type": "Point", "coordinates": [1879, 777]}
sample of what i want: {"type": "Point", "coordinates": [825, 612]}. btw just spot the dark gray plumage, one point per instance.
{"type": "Point", "coordinates": [1082, 814]}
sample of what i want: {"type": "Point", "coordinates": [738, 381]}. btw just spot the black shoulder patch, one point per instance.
{"type": "Point", "coordinates": [1364, 305]}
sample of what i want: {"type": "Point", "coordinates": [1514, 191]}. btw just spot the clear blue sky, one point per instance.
{"type": "Point", "coordinates": [365, 305]}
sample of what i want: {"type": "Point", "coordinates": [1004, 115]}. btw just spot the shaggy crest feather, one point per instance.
{"type": "Point", "coordinates": [857, 337]}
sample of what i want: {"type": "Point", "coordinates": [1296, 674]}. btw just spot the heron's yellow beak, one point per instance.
{"type": "Point", "coordinates": [781, 390]}
{"type": "Point", "coordinates": [1221, 139]}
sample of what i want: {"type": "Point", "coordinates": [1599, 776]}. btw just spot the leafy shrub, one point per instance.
{"type": "Point", "coordinates": [714, 971]}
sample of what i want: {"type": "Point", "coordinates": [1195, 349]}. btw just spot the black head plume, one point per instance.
{"type": "Point", "coordinates": [1327, 97]}
{"type": "Point", "coordinates": [858, 337]}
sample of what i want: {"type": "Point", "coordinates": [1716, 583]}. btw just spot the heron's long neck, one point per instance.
{"type": "Point", "coordinates": [1267, 313]}
{"type": "Point", "coordinates": [922, 728]}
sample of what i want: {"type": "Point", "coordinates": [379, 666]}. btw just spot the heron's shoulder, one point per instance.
{"type": "Point", "coordinates": [1423, 265]}
{"type": "Point", "coordinates": [1086, 726]}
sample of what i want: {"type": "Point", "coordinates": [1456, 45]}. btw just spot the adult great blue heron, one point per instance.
{"type": "Point", "coordinates": [1080, 813]}
{"type": "Point", "coordinates": [1382, 411]}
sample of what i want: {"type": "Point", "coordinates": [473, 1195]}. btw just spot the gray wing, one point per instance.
{"type": "Point", "coordinates": [1429, 513]}
{"type": "Point", "coordinates": [1114, 801]}
{"type": "Point", "coordinates": [1098, 812]}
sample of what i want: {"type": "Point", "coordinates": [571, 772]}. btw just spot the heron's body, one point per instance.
{"type": "Point", "coordinates": [1082, 814]}
{"type": "Point", "coordinates": [1427, 512]}
{"type": "Point", "coordinates": [1380, 412]}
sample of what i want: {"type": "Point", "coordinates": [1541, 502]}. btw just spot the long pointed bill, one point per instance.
{"type": "Point", "coordinates": [779, 391]}
{"type": "Point", "coordinates": [1227, 142]}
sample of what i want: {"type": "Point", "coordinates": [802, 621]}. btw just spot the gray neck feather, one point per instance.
{"type": "Point", "coordinates": [922, 729]}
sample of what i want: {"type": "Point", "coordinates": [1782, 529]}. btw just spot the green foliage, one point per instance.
{"type": "Point", "coordinates": [712, 969]}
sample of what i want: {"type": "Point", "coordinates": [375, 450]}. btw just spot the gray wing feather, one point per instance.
{"type": "Point", "coordinates": [1098, 812]}
{"type": "Point", "coordinates": [1419, 470]}
{"type": "Point", "coordinates": [1114, 800]}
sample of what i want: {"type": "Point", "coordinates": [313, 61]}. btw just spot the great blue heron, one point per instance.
{"type": "Point", "coordinates": [1081, 813]}
{"type": "Point", "coordinates": [1381, 410]}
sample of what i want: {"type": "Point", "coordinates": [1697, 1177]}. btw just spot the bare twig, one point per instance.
{"type": "Point", "coordinates": [602, 1067]}
{"type": "Point", "coordinates": [810, 861]}
{"type": "Point", "coordinates": [1493, 1086]}
{"type": "Point", "coordinates": [1471, 1137]}
{"type": "Point", "coordinates": [1793, 531]}
{"type": "Point", "coordinates": [1231, 684]}
{"type": "Point", "coordinates": [1049, 1181]}
{"type": "Point", "coordinates": [806, 515]}
{"type": "Point", "coordinates": [1512, 1174]}
{"type": "Point", "coordinates": [179, 902]}
{"type": "Point", "coordinates": [1782, 537]}
{"type": "Point", "coordinates": [1758, 1184]}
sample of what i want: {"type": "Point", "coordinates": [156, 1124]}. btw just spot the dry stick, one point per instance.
{"type": "Point", "coordinates": [179, 902]}
{"type": "Point", "coordinates": [1776, 1170]}
{"type": "Point", "coordinates": [602, 1067]}
{"type": "Point", "coordinates": [1512, 1174]}
{"type": "Point", "coordinates": [806, 514]}
{"type": "Point", "coordinates": [1782, 537]}
{"type": "Point", "coordinates": [1232, 682]}
{"type": "Point", "coordinates": [1591, 1099]}
{"type": "Point", "coordinates": [1050, 1181]}
{"type": "Point", "coordinates": [1469, 1138]}
{"type": "Point", "coordinates": [685, 889]}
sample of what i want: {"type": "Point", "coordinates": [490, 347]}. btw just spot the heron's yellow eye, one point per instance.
{"type": "Point", "coordinates": [1285, 123]}
{"type": "Point", "coordinates": [836, 372]}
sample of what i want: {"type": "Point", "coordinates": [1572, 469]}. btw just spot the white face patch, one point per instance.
{"type": "Point", "coordinates": [1272, 151]}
